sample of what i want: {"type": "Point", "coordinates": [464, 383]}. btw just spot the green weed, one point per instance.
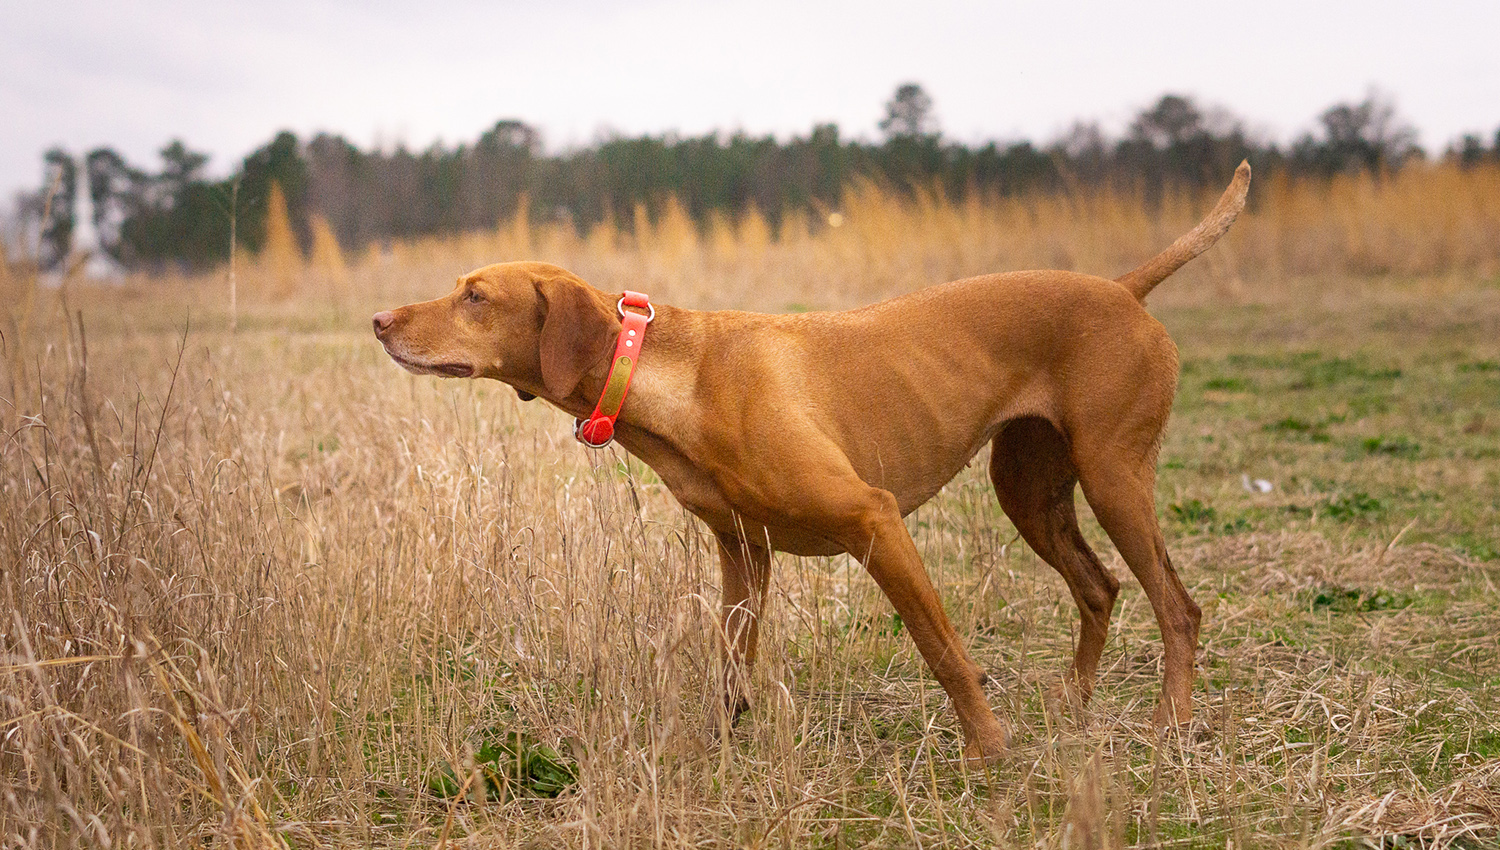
{"type": "Point", "coordinates": [1402, 447]}
{"type": "Point", "coordinates": [509, 764]}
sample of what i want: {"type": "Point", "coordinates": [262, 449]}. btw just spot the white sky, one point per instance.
{"type": "Point", "coordinates": [225, 76]}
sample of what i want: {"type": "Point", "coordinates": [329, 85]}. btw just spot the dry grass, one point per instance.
{"type": "Point", "coordinates": [262, 588]}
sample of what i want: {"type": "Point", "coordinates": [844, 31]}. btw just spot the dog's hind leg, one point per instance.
{"type": "Point", "coordinates": [1120, 487]}
{"type": "Point", "coordinates": [1035, 479]}
{"type": "Point", "coordinates": [746, 571]}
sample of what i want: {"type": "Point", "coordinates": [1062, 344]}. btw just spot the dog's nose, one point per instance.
{"type": "Point", "coordinates": [382, 321]}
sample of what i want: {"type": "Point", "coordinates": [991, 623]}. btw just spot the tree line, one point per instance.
{"type": "Point", "coordinates": [174, 216]}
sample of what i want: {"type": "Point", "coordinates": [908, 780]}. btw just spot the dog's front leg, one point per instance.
{"type": "Point", "coordinates": [875, 534]}
{"type": "Point", "coordinates": [746, 572]}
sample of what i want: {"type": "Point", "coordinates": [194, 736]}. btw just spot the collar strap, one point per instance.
{"type": "Point", "coordinates": [599, 429]}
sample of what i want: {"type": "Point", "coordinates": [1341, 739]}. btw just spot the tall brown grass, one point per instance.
{"type": "Point", "coordinates": [262, 589]}
{"type": "Point", "coordinates": [1427, 220]}
{"type": "Point", "coordinates": [326, 261]}
{"type": "Point", "coordinates": [280, 257]}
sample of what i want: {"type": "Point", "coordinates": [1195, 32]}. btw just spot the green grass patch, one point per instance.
{"type": "Point", "coordinates": [1192, 512]}
{"type": "Point", "coordinates": [1317, 432]}
{"type": "Point", "coordinates": [1350, 600]}
{"type": "Point", "coordinates": [1339, 370]}
{"type": "Point", "coordinates": [1357, 505]}
{"type": "Point", "coordinates": [1402, 447]}
{"type": "Point", "coordinates": [1229, 384]}
{"type": "Point", "coordinates": [508, 764]}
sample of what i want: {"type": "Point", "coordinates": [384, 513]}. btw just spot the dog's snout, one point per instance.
{"type": "Point", "coordinates": [382, 321]}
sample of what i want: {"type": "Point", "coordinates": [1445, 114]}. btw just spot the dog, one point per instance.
{"type": "Point", "coordinates": [816, 433]}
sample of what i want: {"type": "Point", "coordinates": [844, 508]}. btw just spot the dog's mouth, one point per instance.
{"type": "Point", "coordinates": [446, 370]}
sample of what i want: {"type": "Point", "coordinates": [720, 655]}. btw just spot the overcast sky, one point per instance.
{"type": "Point", "coordinates": [225, 76]}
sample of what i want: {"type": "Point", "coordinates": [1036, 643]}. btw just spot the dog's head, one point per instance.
{"type": "Point", "coordinates": [534, 326]}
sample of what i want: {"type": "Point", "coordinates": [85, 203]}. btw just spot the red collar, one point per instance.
{"type": "Point", "coordinates": [597, 430]}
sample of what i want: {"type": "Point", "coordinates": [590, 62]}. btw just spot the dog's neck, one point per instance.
{"type": "Point", "coordinates": [656, 388]}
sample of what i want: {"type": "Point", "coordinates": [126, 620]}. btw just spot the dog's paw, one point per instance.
{"type": "Point", "coordinates": [1171, 714]}
{"type": "Point", "coordinates": [1065, 698]}
{"type": "Point", "coordinates": [986, 742]}
{"type": "Point", "coordinates": [1183, 726]}
{"type": "Point", "coordinates": [723, 717]}
{"type": "Point", "coordinates": [979, 755]}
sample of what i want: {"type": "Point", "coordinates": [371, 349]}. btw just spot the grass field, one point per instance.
{"type": "Point", "coordinates": [262, 588]}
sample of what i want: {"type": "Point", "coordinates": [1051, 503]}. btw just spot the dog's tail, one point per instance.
{"type": "Point", "coordinates": [1143, 279]}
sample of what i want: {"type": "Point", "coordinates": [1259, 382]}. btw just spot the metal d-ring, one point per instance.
{"type": "Point", "coordinates": [651, 308]}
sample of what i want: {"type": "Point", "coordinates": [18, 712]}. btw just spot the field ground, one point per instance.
{"type": "Point", "coordinates": [262, 588]}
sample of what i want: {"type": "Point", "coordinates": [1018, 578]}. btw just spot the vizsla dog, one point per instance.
{"type": "Point", "coordinates": [816, 433]}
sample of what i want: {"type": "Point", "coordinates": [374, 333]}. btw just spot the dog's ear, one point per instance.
{"type": "Point", "coordinates": [577, 332]}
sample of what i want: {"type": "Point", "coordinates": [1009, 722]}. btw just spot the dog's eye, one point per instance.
{"type": "Point", "coordinates": [475, 297]}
